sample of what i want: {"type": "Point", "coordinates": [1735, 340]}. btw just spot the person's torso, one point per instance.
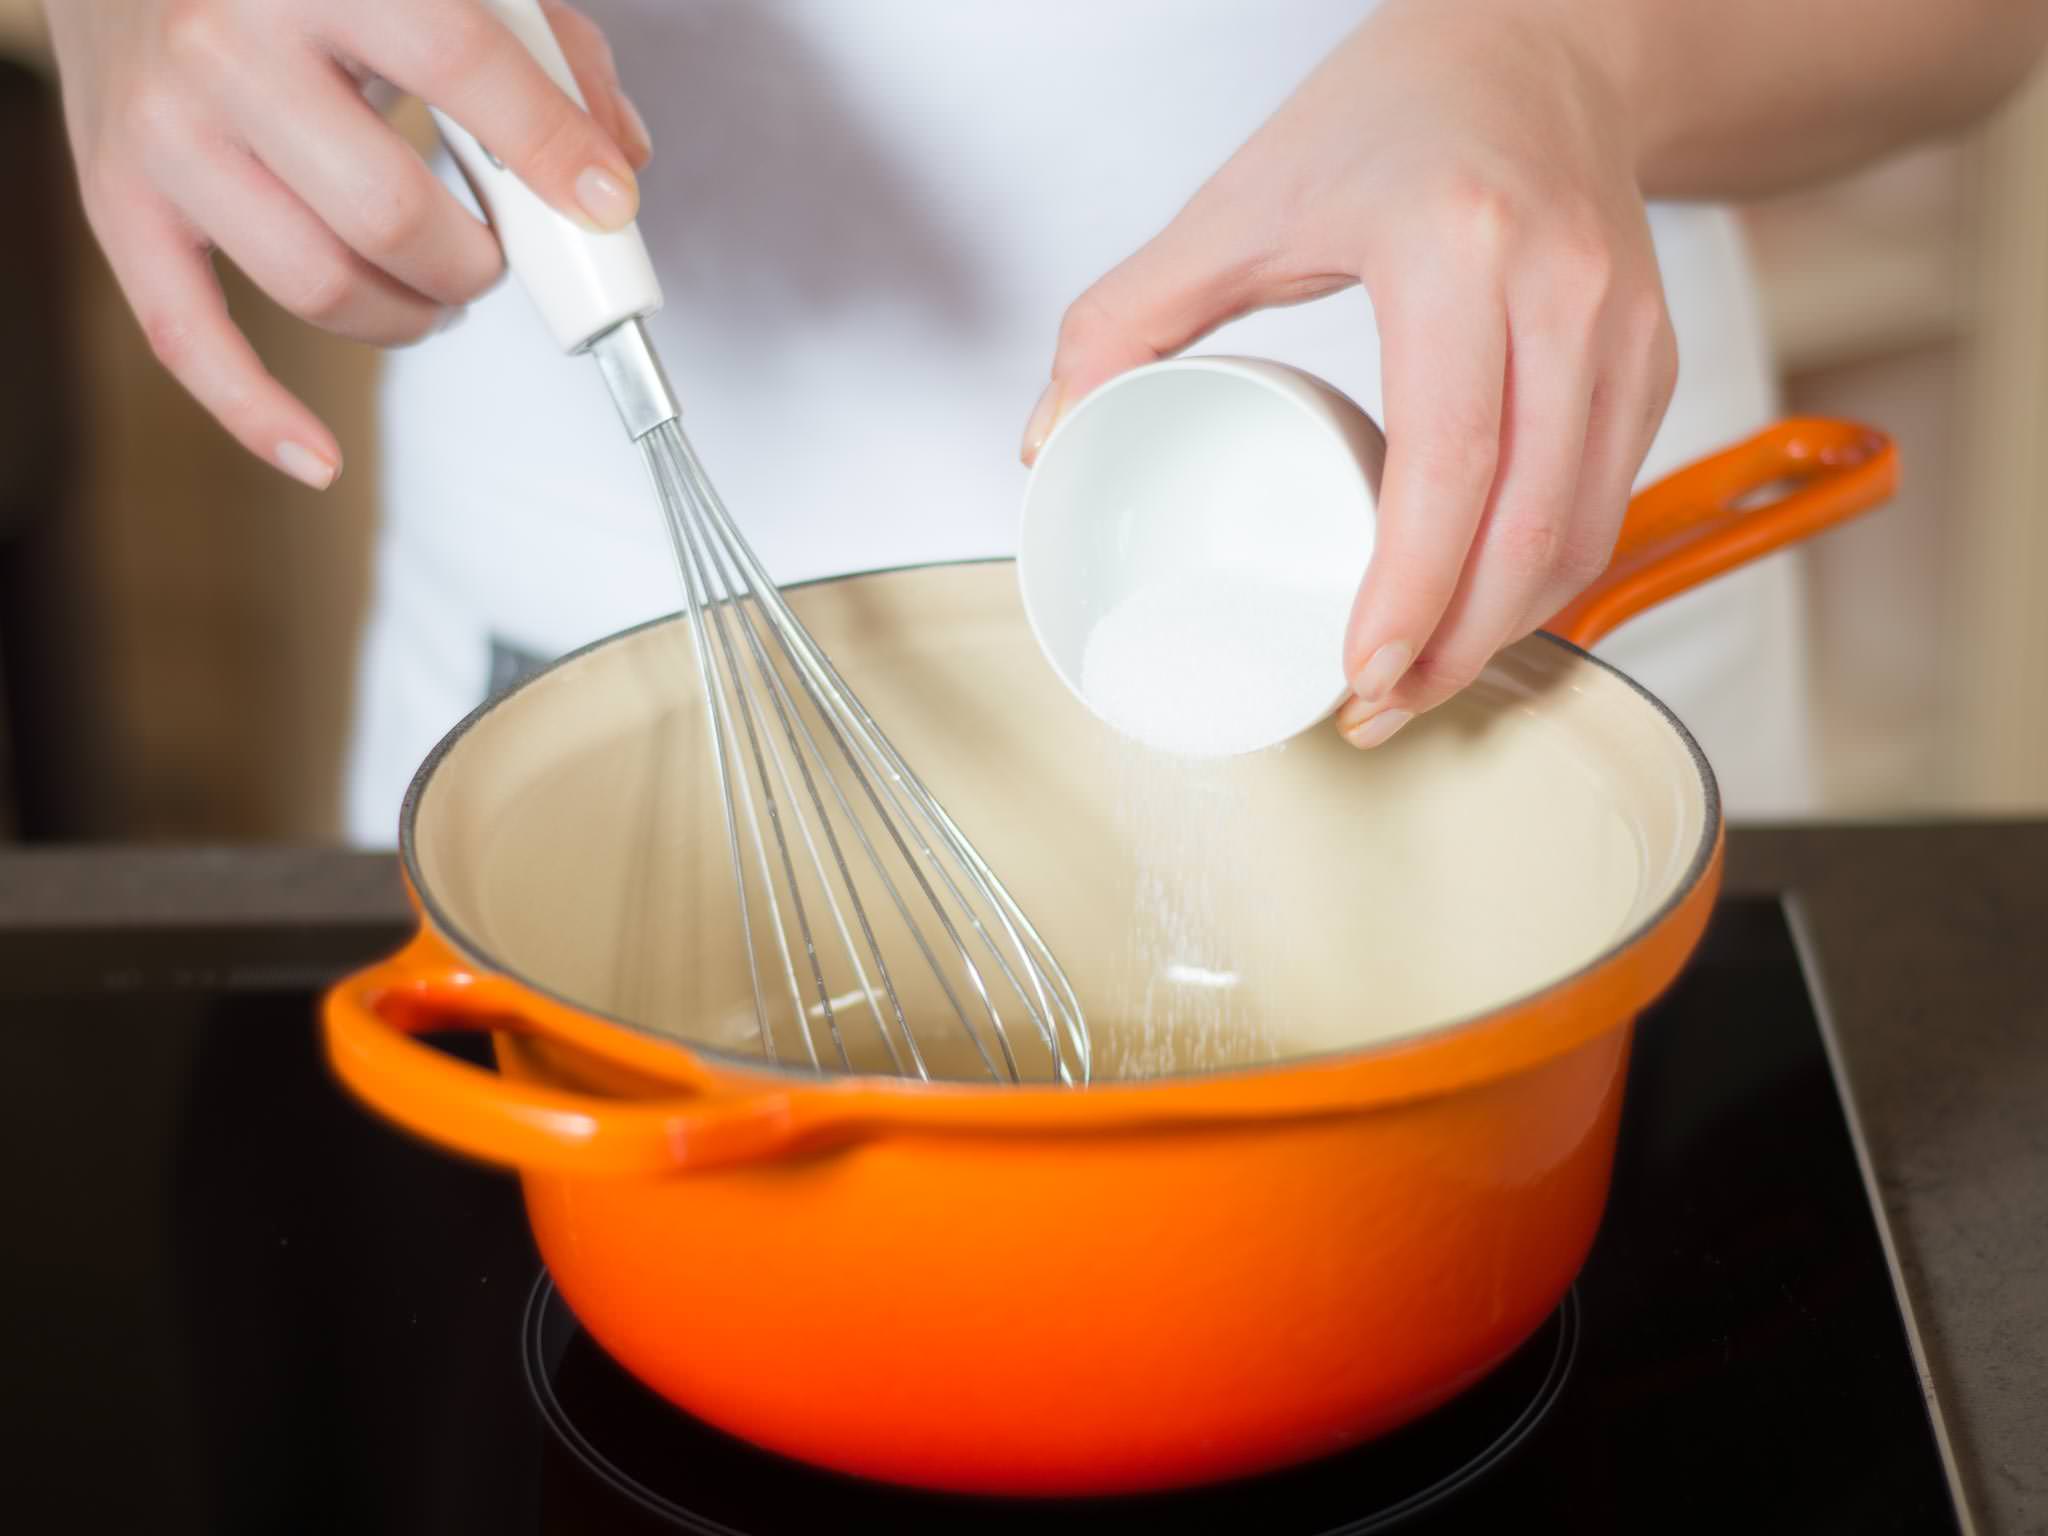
{"type": "Point", "coordinates": [868, 220]}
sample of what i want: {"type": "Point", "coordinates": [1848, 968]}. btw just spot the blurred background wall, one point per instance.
{"type": "Point", "coordinates": [177, 622]}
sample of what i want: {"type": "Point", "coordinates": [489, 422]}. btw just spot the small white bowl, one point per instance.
{"type": "Point", "coordinates": [1241, 495]}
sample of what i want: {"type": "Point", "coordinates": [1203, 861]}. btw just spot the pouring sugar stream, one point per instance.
{"type": "Point", "coordinates": [1193, 535]}
{"type": "Point", "coordinates": [1194, 532]}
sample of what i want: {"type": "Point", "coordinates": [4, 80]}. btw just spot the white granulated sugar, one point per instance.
{"type": "Point", "coordinates": [1201, 667]}
{"type": "Point", "coordinates": [1211, 664]}
{"type": "Point", "coordinates": [1182, 1005]}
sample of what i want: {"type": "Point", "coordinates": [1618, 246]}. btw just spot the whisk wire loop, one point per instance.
{"type": "Point", "coordinates": [761, 728]}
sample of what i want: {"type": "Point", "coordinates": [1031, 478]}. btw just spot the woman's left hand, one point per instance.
{"type": "Point", "coordinates": [1471, 163]}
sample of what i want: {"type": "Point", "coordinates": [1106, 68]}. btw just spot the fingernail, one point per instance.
{"type": "Point", "coordinates": [610, 202]}
{"type": "Point", "coordinates": [451, 317]}
{"type": "Point", "coordinates": [303, 464]}
{"type": "Point", "coordinates": [1043, 415]}
{"type": "Point", "coordinates": [1378, 728]}
{"type": "Point", "coordinates": [636, 128]}
{"type": "Point", "coordinates": [1377, 677]}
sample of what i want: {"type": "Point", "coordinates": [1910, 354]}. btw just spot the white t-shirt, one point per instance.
{"type": "Point", "coordinates": [868, 220]}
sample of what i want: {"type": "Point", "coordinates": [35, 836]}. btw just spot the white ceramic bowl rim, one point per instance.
{"type": "Point", "coordinates": [1252, 372]}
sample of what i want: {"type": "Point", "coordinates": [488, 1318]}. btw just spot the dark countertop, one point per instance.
{"type": "Point", "coordinates": [1932, 947]}
{"type": "Point", "coordinates": [1929, 941]}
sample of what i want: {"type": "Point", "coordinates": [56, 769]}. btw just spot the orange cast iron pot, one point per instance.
{"type": "Point", "coordinates": [1144, 1283]}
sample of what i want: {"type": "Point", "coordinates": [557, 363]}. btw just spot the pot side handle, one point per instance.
{"type": "Point", "coordinates": [1785, 484]}
{"type": "Point", "coordinates": [371, 1022]}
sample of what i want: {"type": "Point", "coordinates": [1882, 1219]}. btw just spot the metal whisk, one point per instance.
{"type": "Point", "coordinates": [858, 896]}
{"type": "Point", "coordinates": [872, 911]}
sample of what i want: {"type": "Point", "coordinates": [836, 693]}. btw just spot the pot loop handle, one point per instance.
{"type": "Point", "coordinates": [1787, 483]}
{"type": "Point", "coordinates": [372, 1020]}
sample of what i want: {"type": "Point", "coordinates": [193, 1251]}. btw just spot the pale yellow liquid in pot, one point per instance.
{"type": "Point", "coordinates": [575, 835]}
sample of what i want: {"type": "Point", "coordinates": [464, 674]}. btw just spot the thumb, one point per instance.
{"type": "Point", "coordinates": [590, 58]}
{"type": "Point", "coordinates": [473, 62]}
{"type": "Point", "coordinates": [1199, 272]}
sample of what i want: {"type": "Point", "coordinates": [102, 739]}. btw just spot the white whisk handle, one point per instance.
{"type": "Point", "coordinates": [583, 282]}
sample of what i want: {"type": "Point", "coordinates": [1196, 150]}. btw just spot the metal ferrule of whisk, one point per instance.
{"type": "Point", "coordinates": [633, 374]}
{"type": "Point", "coordinates": [877, 938]}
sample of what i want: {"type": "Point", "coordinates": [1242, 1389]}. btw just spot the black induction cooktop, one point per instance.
{"type": "Point", "coordinates": [234, 1302]}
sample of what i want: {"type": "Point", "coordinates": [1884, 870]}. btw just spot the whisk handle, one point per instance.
{"type": "Point", "coordinates": [372, 1022]}
{"type": "Point", "coordinates": [583, 282]}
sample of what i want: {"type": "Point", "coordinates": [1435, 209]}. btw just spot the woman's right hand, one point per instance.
{"type": "Point", "coordinates": [241, 126]}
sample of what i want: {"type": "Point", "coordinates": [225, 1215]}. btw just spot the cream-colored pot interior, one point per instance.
{"type": "Point", "coordinates": [1297, 901]}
